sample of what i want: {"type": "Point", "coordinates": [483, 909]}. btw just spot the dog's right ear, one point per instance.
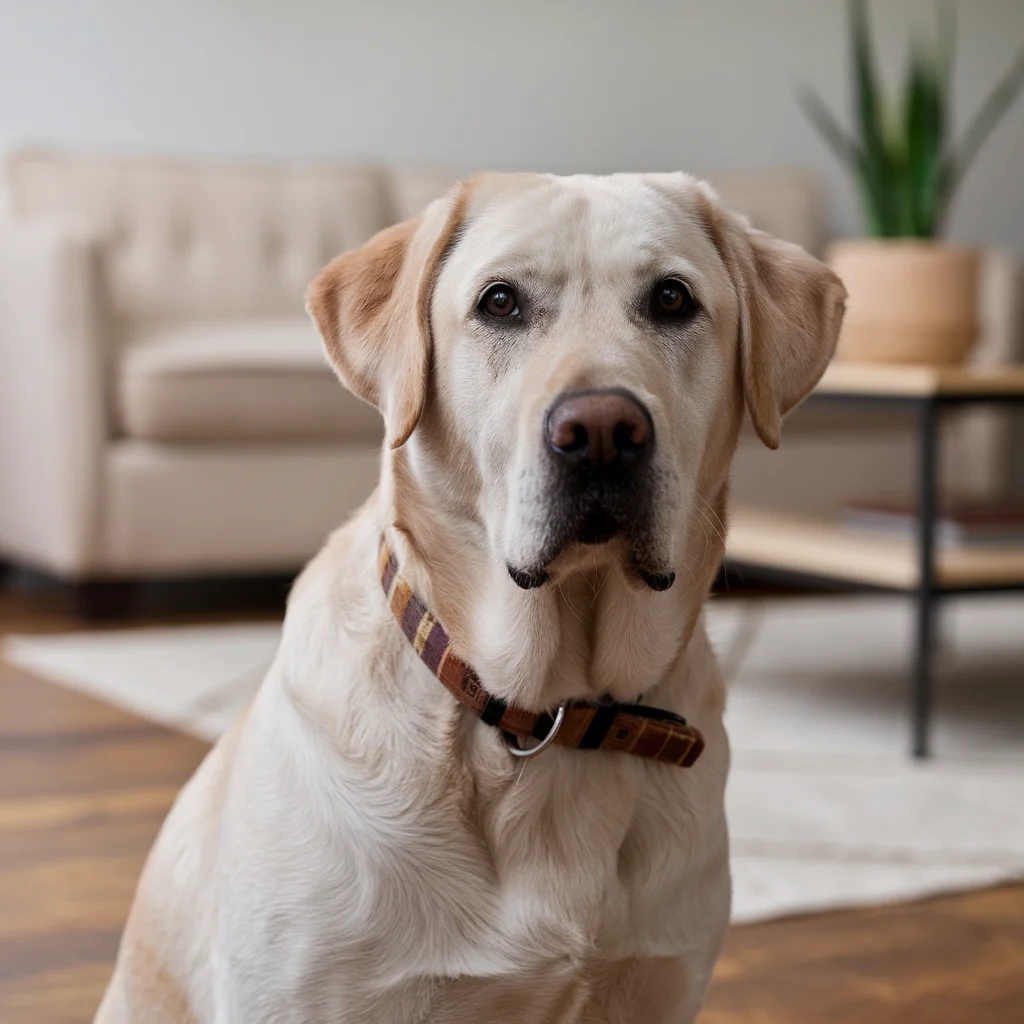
{"type": "Point", "coordinates": [372, 308]}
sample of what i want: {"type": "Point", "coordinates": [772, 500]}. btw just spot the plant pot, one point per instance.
{"type": "Point", "coordinates": [910, 301]}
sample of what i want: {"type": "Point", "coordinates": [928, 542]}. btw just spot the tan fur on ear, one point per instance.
{"type": "Point", "coordinates": [791, 309]}
{"type": "Point", "coordinates": [372, 308]}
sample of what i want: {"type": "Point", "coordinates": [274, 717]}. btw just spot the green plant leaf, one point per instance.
{"type": "Point", "coordinates": [925, 120]}
{"type": "Point", "coordinates": [846, 149]}
{"type": "Point", "coordinates": [899, 156]}
{"type": "Point", "coordinates": [841, 142]}
{"type": "Point", "coordinates": [991, 112]}
{"type": "Point", "coordinates": [867, 116]}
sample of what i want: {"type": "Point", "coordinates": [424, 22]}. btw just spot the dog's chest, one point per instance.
{"type": "Point", "coordinates": [553, 884]}
{"type": "Point", "coordinates": [557, 871]}
{"type": "Point", "coordinates": [409, 895]}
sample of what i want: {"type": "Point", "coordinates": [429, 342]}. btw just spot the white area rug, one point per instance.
{"type": "Point", "coordinates": [825, 808]}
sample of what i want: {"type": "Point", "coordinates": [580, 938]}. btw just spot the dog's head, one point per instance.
{"type": "Point", "coordinates": [576, 353]}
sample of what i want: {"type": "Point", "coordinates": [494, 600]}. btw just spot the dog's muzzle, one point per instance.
{"type": "Point", "coordinates": [599, 448]}
{"type": "Point", "coordinates": [600, 445]}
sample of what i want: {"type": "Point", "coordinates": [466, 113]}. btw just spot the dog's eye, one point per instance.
{"type": "Point", "coordinates": [499, 300]}
{"type": "Point", "coordinates": [671, 299]}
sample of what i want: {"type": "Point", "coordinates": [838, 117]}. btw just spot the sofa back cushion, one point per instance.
{"type": "Point", "coordinates": [181, 239]}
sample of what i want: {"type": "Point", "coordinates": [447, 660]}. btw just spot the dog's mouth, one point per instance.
{"type": "Point", "coordinates": [624, 530]}
{"type": "Point", "coordinates": [598, 527]}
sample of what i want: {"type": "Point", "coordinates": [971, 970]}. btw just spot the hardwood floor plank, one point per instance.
{"type": "Point", "coordinates": [952, 960]}
{"type": "Point", "coordinates": [67, 995]}
{"type": "Point", "coordinates": [76, 809]}
{"type": "Point", "coordinates": [84, 788]}
{"type": "Point", "coordinates": [21, 958]}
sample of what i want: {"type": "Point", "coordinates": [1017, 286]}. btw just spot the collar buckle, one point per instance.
{"type": "Point", "coordinates": [521, 752]}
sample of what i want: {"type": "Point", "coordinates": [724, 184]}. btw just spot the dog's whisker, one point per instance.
{"type": "Point", "coordinates": [705, 518]}
{"type": "Point", "coordinates": [720, 527]}
{"type": "Point", "coordinates": [590, 582]}
{"type": "Point", "coordinates": [707, 539]}
{"type": "Point", "coordinates": [689, 568]}
{"type": "Point", "coordinates": [570, 605]}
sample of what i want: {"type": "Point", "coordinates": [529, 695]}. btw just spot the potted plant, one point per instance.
{"type": "Point", "coordinates": [912, 297]}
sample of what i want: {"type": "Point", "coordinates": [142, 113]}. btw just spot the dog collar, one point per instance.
{"type": "Point", "coordinates": [630, 728]}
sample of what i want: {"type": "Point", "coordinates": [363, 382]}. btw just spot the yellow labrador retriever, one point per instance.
{"type": "Point", "coordinates": [562, 365]}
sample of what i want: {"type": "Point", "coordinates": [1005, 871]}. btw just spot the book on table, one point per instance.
{"type": "Point", "coordinates": [959, 522]}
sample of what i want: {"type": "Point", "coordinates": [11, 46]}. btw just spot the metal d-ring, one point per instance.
{"type": "Point", "coordinates": [552, 733]}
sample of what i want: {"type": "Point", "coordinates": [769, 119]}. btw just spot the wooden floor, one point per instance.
{"type": "Point", "coordinates": [83, 788]}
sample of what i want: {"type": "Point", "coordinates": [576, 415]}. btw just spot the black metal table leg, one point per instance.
{"type": "Point", "coordinates": [927, 512]}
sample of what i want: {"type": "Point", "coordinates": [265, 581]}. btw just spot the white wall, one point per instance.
{"type": "Point", "coordinates": [563, 84]}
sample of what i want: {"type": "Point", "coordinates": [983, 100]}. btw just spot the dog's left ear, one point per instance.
{"type": "Point", "coordinates": [372, 308]}
{"type": "Point", "coordinates": [791, 308]}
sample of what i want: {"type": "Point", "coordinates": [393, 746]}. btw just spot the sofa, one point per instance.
{"type": "Point", "coordinates": [165, 407]}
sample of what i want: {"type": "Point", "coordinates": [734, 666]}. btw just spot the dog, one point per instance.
{"type": "Point", "coordinates": [449, 800]}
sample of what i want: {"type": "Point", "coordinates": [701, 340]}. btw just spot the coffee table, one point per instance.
{"type": "Point", "coordinates": [774, 545]}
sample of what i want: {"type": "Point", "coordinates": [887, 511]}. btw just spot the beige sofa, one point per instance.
{"type": "Point", "coordinates": [165, 408]}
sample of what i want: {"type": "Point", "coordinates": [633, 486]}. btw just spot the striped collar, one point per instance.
{"type": "Point", "coordinates": [630, 728]}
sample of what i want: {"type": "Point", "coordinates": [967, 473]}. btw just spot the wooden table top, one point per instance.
{"type": "Point", "coordinates": [829, 549]}
{"type": "Point", "coordinates": [874, 379]}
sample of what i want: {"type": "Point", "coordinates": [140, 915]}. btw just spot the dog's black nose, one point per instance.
{"type": "Point", "coordinates": [607, 428]}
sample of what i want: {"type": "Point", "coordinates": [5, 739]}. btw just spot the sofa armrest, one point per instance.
{"type": "Point", "coordinates": [52, 408]}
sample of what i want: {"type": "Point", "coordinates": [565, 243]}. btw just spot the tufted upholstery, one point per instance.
{"type": "Point", "coordinates": [182, 239]}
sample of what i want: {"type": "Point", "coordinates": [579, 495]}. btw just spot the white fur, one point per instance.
{"type": "Point", "coordinates": [360, 847]}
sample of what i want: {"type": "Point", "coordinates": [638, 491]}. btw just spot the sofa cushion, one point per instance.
{"type": "Point", "coordinates": [213, 382]}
